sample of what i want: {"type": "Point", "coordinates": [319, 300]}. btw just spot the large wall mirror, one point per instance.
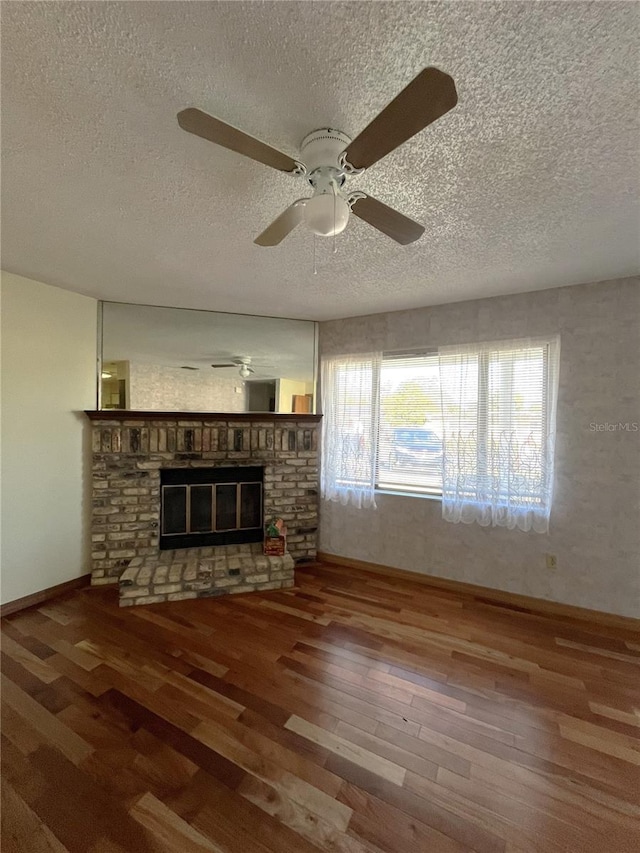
{"type": "Point", "coordinates": [180, 360]}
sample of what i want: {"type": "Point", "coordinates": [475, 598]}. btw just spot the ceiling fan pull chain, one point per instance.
{"type": "Point", "coordinates": [315, 268]}
{"type": "Point", "coordinates": [335, 247]}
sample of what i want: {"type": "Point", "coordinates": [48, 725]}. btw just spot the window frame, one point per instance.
{"type": "Point", "coordinates": [482, 415]}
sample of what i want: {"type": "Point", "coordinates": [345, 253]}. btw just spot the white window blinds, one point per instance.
{"type": "Point", "coordinates": [474, 423]}
{"type": "Point", "coordinates": [410, 424]}
{"type": "Point", "coordinates": [498, 410]}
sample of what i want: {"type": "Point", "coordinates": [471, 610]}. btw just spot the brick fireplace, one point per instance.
{"type": "Point", "coordinates": [134, 452]}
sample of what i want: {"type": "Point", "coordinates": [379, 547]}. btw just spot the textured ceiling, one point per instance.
{"type": "Point", "coordinates": [530, 182]}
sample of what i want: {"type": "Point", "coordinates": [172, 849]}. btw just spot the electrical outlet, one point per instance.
{"type": "Point", "coordinates": [552, 561]}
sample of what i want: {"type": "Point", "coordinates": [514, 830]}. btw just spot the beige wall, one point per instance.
{"type": "Point", "coordinates": [48, 378]}
{"type": "Point", "coordinates": [285, 389]}
{"type": "Point", "coordinates": [155, 388]}
{"type": "Point", "coordinates": [595, 520]}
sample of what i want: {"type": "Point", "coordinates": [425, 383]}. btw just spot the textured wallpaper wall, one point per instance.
{"type": "Point", "coordinates": [155, 388]}
{"type": "Point", "coordinates": [595, 520]}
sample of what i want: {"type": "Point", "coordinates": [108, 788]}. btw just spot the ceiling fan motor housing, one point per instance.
{"type": "Point", "coordinates": [323, 147]}
{"type": "Point", "coordinates": [327, 211]}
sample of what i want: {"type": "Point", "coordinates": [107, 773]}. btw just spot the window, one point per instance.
{"type": "Point", "coordinates": [472, 423]}
{"type": "Point", "coordinates": [410, 424]}
{"type": "Point", "coordinates": [498, 413]}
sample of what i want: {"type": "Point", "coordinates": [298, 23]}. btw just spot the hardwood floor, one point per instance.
{"type": "Point", "coordinates": [353, 713]}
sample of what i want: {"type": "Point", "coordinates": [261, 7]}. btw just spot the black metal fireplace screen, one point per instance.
{"type": "Point", "coordinates": [210, 506]}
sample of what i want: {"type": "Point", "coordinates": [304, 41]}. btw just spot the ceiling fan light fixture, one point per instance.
{"type": "Point", "coordinates": [331, 158]}
{"type": "Point", "coordinates": [244, 371]}
{"type": "Point", "coordinates": [327, 214]}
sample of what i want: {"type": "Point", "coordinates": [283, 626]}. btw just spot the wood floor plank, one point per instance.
{"type": "Point", "coordinates": [235, 823]}
{"type": "Point", "coordinates": [348, 749]}
{"type": "Point", "coordinates": [389, 751]}
{"type": "Point", "coordinates": [22, 830]}
{"type": "Point", "coordinates": [433, 696]}
{"type": "Point", "coordinates": [42, 669]}
{"type": "Point", "coordinates": [631, 719]}
{"type": "Point", "coordinates": [70, 744]}
{"type": "Point", "coordinates": [172, 734]}
{"type": "Point", "coordinates": [19, 731]}
{"type": "Point", "coordinates": [490, 754]}
{"type": "Point", "coordinates": [174, 834]}
{"type": "Point", "coordinates": [501, 815]}
{"type": "Point", "coordinates": [292, 814]}
{"type": "Point", "coordinates": [350, 714]}
{"type": "Point", "coordinates": [567, 806]}
{"type": "Point", "coordinates": [268, 771]}
{"type": "Point", "coordinates": [392, 829]}
{"type": "Point", "coordinates": [80, 814]}
{"type": "Point", "coordinates": [39, 649]}
{"type": "Point", "coordinates": [595, 737]}
{"type": "Point", "coordinates": [430, 753]}
{"type": "Point", "coordinates": [450, 823]}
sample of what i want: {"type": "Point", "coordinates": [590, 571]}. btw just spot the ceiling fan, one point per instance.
{"type": "Point", "coordinates": [243, 363]}
{"type": "Point", "coordinates": [330, 158]}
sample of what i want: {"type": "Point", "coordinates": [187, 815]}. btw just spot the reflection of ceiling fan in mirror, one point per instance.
{"type": "Point", "coordinates": [243, 363]}
{"type": "Point", "coordinates": [331, 158]}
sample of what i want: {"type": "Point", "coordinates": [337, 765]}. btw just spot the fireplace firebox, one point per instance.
{"type": "Point", "coordinates": [210, 506]}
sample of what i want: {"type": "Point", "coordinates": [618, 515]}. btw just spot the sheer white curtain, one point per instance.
{"type": "Point", "coordinates": [350, 391]}
{"type": "Point", "coordinates": [499, 414]}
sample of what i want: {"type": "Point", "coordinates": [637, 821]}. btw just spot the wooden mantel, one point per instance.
{"type": "Point", "coordinates": [127, 415]}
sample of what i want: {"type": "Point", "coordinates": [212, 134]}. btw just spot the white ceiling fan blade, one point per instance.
{"type": "Point", "coordinates": [283, 225]}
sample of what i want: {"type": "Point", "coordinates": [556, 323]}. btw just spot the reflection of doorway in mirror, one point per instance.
{"type": "Point", "coordinates": [294, 395]}
{"type": "Point", "coordinates": [302, 404]}
{"type": "Point", "coordinates": [114, 385]}
{"type": "Point", "coordinates": [261, 396]}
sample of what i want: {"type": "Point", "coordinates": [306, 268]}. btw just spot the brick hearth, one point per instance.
{"type": "Point", "coordinates": [203, 573]}
{"type": "Point", "coordinates": [130, 449]}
